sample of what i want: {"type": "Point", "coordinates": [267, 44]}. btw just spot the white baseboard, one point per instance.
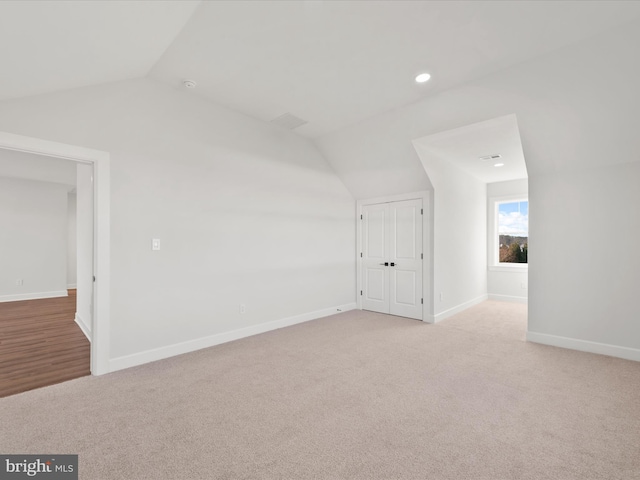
{"type": "Point", "coordinates": [84, 326]}
{"type": "Point", "coordinates": [72, 285]}
{"type": "Point", "coordinates": [32, 296]}
{"type": "Point", "coordinates": [147, 356]}
{"type": "Point", "coordinates": [507, 298]}
{"type": "Point", "coordinates": [458, 308]}
{"type": "Point", "coordinates": [584, 346]}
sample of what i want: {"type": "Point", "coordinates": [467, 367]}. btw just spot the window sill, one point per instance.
{"type": "Point", "coordinates": [515, 268]}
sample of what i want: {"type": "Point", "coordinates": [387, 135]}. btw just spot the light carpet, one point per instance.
{"type": "Point", "coordinates": [357, 395]}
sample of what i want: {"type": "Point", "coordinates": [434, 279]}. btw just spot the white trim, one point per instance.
{"type": "Point", "coordinates": [459, 308]}
{"type": "Point", "coordinates": [160, 353]}
{"type": "Point", "coordinates": [392, 198]}
{"type": "Point", "coordinates": [101, 230]}
{"type": "Point", "coordinates": [584, 345]}
{"type": "Point", "coordinates": [508, 298]}
{"type": "Point", "coordinates": [71, 286]}
{"type": "Point", "coordinates": [510, 267]}
{"type": "Point", "coordinates": [33, 296]}
{"type": "Point", "coordinates": [426, 252]}
{"type": "Point", "coordinates": [84, 326]}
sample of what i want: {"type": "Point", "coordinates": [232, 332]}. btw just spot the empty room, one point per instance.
{"type": "Point", "coordinates": [320, 239]}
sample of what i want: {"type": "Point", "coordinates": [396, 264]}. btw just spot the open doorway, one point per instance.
{"type": "Point", "coordinates": [46, 283]}
{"type": "Point", "coordinates": [96, 299]}
{"type": "Point", "coordinates": [480, 197]}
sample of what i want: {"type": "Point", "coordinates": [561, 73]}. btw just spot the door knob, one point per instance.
{"type": "Point", "coordinates": [393, 264]}
{"type": "Point", "coordinates": [386, 264]}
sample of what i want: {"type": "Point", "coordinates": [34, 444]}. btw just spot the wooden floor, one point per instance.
{"type": "Point", "coordinates": [40, 344]}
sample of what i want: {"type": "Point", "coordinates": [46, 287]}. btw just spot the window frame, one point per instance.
{"type": "Point", "coordinates": [494, 244]}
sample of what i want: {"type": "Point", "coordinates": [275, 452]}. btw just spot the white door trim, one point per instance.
{"type": "Point", "coordinates": [426, 197]}
{"type": "Point", "coordinates": [101, 225]}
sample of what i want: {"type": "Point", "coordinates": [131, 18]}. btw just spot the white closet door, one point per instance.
{"type": "Point", "coordinates": [405, 258]}
{"type": "Point", "coordinates": [392, 258]}
{"type": "Point", "coordinates": [375, 252]}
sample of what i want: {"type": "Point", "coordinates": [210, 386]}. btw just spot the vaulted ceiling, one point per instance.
{"type": "Point", "coordinates": [491, 150]}
{"type": "Point", "coordinates": [331, 63]}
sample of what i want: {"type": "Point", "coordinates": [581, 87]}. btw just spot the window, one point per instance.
{"type": "Point", "coordinates": [513, 231]}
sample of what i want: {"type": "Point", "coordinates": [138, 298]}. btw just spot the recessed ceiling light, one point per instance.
{"type": "Point", "coordinates": [423, 77]}
{"type": "Point", "coordinates": [498, 164]}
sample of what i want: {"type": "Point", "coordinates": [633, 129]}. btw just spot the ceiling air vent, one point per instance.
{"type": "Point", "coordinates": [289, 121]}
{"type": "Point", "coordinates": [495, 156]}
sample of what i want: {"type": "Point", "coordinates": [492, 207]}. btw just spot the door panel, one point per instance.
{"type": "Point", "coordinates": [404, 282]}
{"type": "Point", "coordinates": [375, 277]}
{"type": "Point", "coordinates": [404, 231]}
{"type": "Point", "coordinates": [375, 235]}
{"type": "Point", "coordinates": [392, 234]}
{"type": "Point", "coordinates": [405, 245]}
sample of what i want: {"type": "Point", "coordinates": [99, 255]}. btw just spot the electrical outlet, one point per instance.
{"type": "Point", "coordinates": [243, 308]}
{"type": "Point", "coordinates": [20, 282]}
{"type": "Point", "coordinates": [441, 296]}
{"type": "Point", "coordinates": [155, 244]}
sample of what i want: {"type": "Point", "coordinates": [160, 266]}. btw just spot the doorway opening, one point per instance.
{"type": "Point", "coordinates": [99, 301]}
{"type": "Point", "coordinates": [45, 318]}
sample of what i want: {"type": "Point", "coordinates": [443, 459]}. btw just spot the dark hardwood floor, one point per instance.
{"type": "Point", "coordinates": [40, 344]}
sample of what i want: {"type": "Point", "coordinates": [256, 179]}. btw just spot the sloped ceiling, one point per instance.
{"type": "Point", "coordinates": [335, 63]}
{"type": "Point", "coordinates": [465, 147]}
{"type": "Point", "coordinates": [46, 46]}
{"type": "Point", "coordinates": [331, 63]}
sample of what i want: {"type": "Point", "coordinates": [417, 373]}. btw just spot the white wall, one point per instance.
{"type": "Point", "coordinates": [33, 239]}
{"type": "Point", "coordinates": [459, 236]}
{"type": "Point", "coordinates": [585, 262]}
{"type": "Point", "coordinates": [37, 167]}
{"type": "Point", "coordinates": [577, 110]}
{"type": "Point", "coordinates": [246, 212]}
{"type": "Point", "coordinates": [508, 283]}
{"type": "Point", "coordinates": [72, 274]}
{"type": "Point", "coordinates": [84, 241]}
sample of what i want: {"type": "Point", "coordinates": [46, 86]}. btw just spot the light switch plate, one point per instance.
{"type": "Point", "coordinates": [155, 244]}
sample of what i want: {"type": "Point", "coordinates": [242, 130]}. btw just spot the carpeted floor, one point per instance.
{"type": "Point", "coordinates": [356, 395]}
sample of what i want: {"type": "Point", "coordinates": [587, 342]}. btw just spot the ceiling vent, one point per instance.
{"type": "Point", "coordinates": [289, 121]}
{"type": "Point", "coordinates": [495, 156]}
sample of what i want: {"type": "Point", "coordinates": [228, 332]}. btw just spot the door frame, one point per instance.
{"type": "Point", "coordinates": [427, 206]}
{"type": "Point", "coordinates": [101, 231]}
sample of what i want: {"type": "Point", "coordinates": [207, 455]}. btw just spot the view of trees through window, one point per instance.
{"type": "Point", "coordinates": [513, 231]}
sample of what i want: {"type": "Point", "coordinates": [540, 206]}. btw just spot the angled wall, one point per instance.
{"type": "Point", "coordinates": [459, 226]}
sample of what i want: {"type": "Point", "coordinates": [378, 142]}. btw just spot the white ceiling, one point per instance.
{"type": "Point", "coordinates": [464, 146]}
{"type": "Point", "coordinates": [332, 63]}
{"type": "Point", "coordinates": [57, 45]}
